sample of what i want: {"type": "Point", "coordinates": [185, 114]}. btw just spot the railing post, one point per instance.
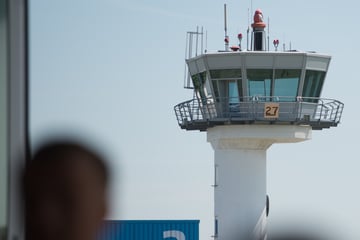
{"type": "Point", "coordinates": [298, 110]}
{"type": "Point", "coordinates": [181, 109]}
{"type": "Point", "coordinates": [322, 104]}
{"type": "Point", "coordinates": [176, 114]}
{"type": "Point", "coordinates": [336, 115]}
{"type": "Point", "coordinates": [189, 111]}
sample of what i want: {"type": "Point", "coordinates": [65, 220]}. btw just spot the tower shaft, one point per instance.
{"type": "Point", "coordinates": [240, 176]}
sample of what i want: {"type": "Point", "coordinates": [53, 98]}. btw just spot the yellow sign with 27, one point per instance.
{"type": "Point", "coordinates": [271, 110]}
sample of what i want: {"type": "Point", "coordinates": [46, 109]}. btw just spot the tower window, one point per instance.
{"type": "Point", "coordinates": [199, 84]}
{"type": "Point", "coordinates": [259, 82]}
{"type": "Point", "coordinates": [313, 84]}
{"type": "Point", "coordinates": [286, 84]}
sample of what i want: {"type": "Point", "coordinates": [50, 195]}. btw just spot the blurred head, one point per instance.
{"type": "Point", "coordinates": [64, 188]}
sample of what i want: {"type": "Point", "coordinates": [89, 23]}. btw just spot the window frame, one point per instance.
{"type": "Point", "coordinates": [18, 150]}
{"type": "Point", "coordinates": [3, 120]}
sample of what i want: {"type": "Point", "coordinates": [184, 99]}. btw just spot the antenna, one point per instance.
{"type": "Point", "coordinates": [186, 71]}
{"type": "Point", "coordinates": [251, 6]}
{"type": "Point", "coordinates": [268, 35]}
{"type": "Point", "coordinates": [206, 41]}
{"type": "Point", "coordinates": [197, 41]}
{"type": "Point", "coordinates": [193, 43]}
{"type": "Point", "coordinates": [202, 39]}
{"type": "Point", "coordinates": [248, 31]}
{"type": "Point", "coordinates": [284, 45]}
{"type": "Point", "coordinates": [225, 28]}
{"type": "Point", "coordinates": [225, 23]}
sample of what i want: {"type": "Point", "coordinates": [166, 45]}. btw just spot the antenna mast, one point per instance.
{"type": "Point", "coordinates": [251, 6]}
{"type": "Point", "coordinates": [225, 28]}
{"type": "Point", "coordinates": [192, 49]}
{"type": "Point", "coordinates": [268, 35]}
{"type": "Point", "coordinates": [248, 31]}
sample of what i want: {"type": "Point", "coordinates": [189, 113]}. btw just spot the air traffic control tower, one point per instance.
{"type": "Point", "coordinates": [246, 101]}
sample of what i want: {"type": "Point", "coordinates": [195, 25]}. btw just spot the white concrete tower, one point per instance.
{"type": "Point", "coordinates": [247, 101]}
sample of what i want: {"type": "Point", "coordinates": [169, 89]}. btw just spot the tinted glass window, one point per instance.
{"type": "Point", "coordinates": [259, 82]}
{"type": "Point", "coordinates": [227, 83]}
{"type": "Point", "coordinates": [199, 83]}
{"type": "Point", "coordinates": [225, 73]}
{"type": "Point", "coordinates": [216, 89]}
{"type": "Point", "coordinates": [199, 80]}
{"type": "Point", "coordinates": [286, 84]}
{"type": "Point", "coordinates": [313, 84]}
{"type": "Point", "coordinates": [233, 92]}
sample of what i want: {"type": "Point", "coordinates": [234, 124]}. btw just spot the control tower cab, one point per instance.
{"type": "Point", "coordinates": [246, 101]}
{"type": "Point", "coordinates": [258, 87]}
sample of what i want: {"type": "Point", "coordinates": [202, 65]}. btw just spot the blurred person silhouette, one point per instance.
{"type": "Point", "coordinates": [65, 192]}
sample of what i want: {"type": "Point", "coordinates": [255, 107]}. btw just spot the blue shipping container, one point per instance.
{"type": "Point", "coordinates": [150, 230]}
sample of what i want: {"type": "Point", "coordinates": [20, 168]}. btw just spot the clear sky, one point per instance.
{"type": "Point", "coordinates": [110, 71]}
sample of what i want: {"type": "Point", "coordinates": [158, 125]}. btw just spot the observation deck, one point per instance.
{"type": "Point", "coordinates": [201, 114]}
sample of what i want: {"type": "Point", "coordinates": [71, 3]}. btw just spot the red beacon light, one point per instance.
{"type": "Point", "coordinates": [276, 43]}
{"type": "Point", "coordinates": [258, 37]}
{"type": "Point", "coordinates": [240, 36]}
{"type": "Point", "coordinates": [258, 20]}
{"type": "Point", "coordinates": [235, 48]}
{"type": "Point", "coordinates": [226, 40]}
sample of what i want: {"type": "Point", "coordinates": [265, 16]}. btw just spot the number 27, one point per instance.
{"type": "Point", "coordinates": [271, 111]}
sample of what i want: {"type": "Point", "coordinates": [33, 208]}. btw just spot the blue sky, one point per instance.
{"type": "Point", "coordinates": [110, 72]}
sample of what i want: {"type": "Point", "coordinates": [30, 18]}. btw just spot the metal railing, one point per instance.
{"type": "Point", "coordinates": [200, 114]}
